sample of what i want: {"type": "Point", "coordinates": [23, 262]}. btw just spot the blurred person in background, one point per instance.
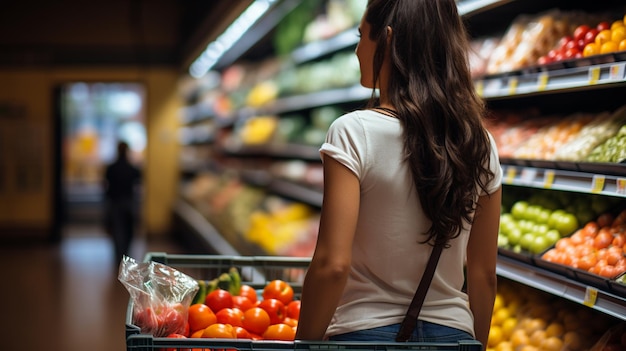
{"type": "Point", "coordinates": [121, 178]}
{"type": "Point", "coordinates": [416, 168]}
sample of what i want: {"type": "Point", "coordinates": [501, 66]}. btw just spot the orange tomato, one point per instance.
{"type": "Point", "coordinates": [248, 292]}
{"type": "Point", "coordinates": [279, 331]}
{"type": "Point", "coordinates": [220, 331]}
{"type": "Point", "coordinates": [200, 316]}
{"type": "Point", "coordinates": [587, 262]}
{"type": "Point", "coordinates": [603, 239]}
{"type": "Point", "coordinates": [232, 316]}
{"type": "Point", "coordinates": [279, 290]}
{"type": "Point", "coordinates": [256, 320]}
{"type": "Point", "coordinates": [242, 333]}
{"type": "Point", "coordinates": [241, 302]}
{"type": "Point", "coordinates": [591, 229]}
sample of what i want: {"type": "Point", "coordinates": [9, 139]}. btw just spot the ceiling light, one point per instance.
{"type": "Point", "coordinates": [216, 49]}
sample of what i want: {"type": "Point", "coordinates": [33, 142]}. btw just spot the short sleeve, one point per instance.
{"type": "Point", "coordinates": [345, 142]}
{"type": "Point", "coordinates": [494, 166]}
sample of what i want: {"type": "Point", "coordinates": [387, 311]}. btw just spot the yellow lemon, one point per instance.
{"type": "Point", "coordinates": [495, 336]}
{"type": "Point", "coordinates": [508, 326]}
{"type": "Point", "coordinates": [519, 338]}
{"type": "Point", "coordinates": [537, 337]}
{"type": "Point", "coordinates": [500, 316]}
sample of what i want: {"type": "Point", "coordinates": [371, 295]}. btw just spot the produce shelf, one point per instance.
{"type": "Point", "coordinates": [318, 49]}
{"type": "Point", "coordinates": [556, 179]}
{"type": "Point", "coordinates": [561, 286]}
{"type": "Point", "coordinates": [317, 99]}
{"type": "Point", "coordinates": [284, 151]}
{"type": "Point", "coordinates": [560, 80]}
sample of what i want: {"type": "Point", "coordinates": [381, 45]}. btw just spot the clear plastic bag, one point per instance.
{"type": "Point", "coordinates": [161, 296]}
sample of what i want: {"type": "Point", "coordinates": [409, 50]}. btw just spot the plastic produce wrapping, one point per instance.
{"type": "Point", "coordinates": [161, 296]}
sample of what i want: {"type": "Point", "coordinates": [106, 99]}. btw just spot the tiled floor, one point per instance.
{"type": "Point", "coordinates": [66, 297]}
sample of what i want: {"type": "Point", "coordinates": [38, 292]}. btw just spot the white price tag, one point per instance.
{"type": "Point", "coordinates": [620, 186]}
{"type": "Point", "coordinates": [616, 72]}
{"type": "Point", "coordinates": [528, 175]}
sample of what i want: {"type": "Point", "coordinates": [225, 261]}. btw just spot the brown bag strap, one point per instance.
{"type": "Point", "coordinates": [410, 320]}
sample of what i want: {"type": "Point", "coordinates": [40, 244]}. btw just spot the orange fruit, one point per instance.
{"type": "Point", "coordinates": [552, 343]}
{"type": "Point", "coordinates": [519, 338]}
{"type": "Point", "coordinates": [622, 45]}
{"type": "Point", "coordinates": [618, 34]}
{"type": "Point", "coordinates": [200, 316]}
{"type": "Point", "coordinates": [608, 47]}
{"type": "Point", "coordinates": [495, 336]}
{"type": "Point", "coordinates": [555, 329]}
{"type": "Point", "coordinates": [537, 337]}
{"type": "Point", "coordinates": [603, 37]}
{"type": "Point", "coordinates": [617, 24]}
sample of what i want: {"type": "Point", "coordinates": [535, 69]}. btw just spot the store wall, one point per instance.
{"type": "Point", "coordinates": [27, 149]}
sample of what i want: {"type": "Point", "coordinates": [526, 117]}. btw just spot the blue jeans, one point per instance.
{"type": "Point", "coordinates": [424, 332]}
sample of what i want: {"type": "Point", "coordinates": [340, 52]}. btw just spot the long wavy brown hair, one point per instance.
{"type": "Point", "coordinates": [446, 144]}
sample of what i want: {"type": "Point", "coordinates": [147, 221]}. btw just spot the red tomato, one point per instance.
{"type": "Point", "coordinates": [275, 309]}
{"type": "Point", "coordinates": [243, 303]}
{"type": "Point", "coordinates": [580, 31]}
{"type": "Point", "coordinates": [219, 330]}
{"type": "Point", "coordinates": [232, 316]}
{"type": "Point", "coordinates": [218, 299]}
{"type": "Point", "coordinates": [242, 333]}
{"type": "Point", "coordinates": [249, 292]}
{"type": "Point", "coordinates": [279, 290]}
{"type": "Point", "coordinates": [602, 26]}
{"type": "Point", "coordinates": [293, 309]}
{"type": "Point", "coordinates": [256, 320]}
{"type": "Point", "coordinates": [590, 36]}
{"type": "Point", "coordinates": [279, 332]}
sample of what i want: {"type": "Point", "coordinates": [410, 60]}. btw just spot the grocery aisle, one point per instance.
{"type": "Point", "coordinates": [67, 297]}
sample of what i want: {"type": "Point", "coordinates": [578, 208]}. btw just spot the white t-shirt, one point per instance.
{"type": "Point", "coordinates": [387, 258]}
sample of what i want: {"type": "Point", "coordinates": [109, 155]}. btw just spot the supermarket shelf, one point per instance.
{"type": "Point", "coordinates": [284, 187]}
{"type": "Point", "coordinates": [581, 182]}
{"type": "Point", "coordinates": [208, 235]}
{"type": "Point", "coordinates": [322, 98]}
{"type": "Point", "coordinates": [560, 80]}
{"type": "Point", "coordinates": [471, 7]}
{"type": "Point", "coordinates": [314, 50]}
{"type": "Point", "coordinates": [284, 151]}
{"type": "Point", "coordinates": [561, 286]}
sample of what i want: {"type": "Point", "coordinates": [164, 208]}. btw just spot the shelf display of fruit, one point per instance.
{"type": "Point", "coordinates": [536, 223]}
{"type": "Point", "coordinates": [525, 319]}
{"type": "Point", "coordinates": [528, 135]}
{"type": "Point", "coordinates": [283, 228]}
{"type": "Point", "coordinates": [528, 38]}
{"type": "Point", "coordinates": [599, 247]}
